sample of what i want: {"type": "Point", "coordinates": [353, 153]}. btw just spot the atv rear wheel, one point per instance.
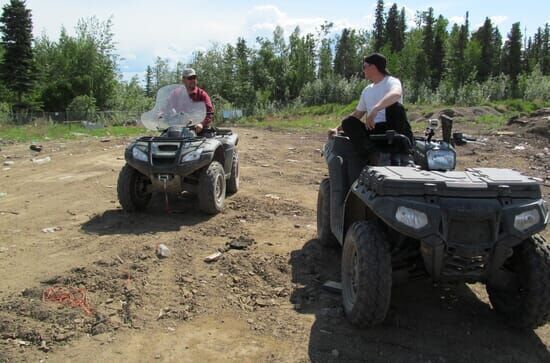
{"type": "Point", "coordinates": [366, 274]}
{"type": "Point", "coordinates": [212, 188]}
{"type": "Point", "coordinates": [233, 181]}
{"type": "Point", "coordinates": [324, 233]}
{"type": "Point", "coordinates": [527, 304]}
{"type": "Point", "coordinates": [132, 189]}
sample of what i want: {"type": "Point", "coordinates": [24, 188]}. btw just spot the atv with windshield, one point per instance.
{"type": "Point", "coordinates": [404, 217]}
{"type": "Point", "coordinates": [179, 160]}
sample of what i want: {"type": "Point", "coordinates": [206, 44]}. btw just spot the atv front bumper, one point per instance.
{"type": "Point", "coordinates": [167, 169]}
{"type": "Point", "coordinates": [462, 239]}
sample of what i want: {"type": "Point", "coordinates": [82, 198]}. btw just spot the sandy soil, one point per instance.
{"type": "Point", "coordinates": [262, 303]}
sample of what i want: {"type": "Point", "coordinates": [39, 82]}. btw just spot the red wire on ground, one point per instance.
{"type": "Point", "coordinates": [70, 296]}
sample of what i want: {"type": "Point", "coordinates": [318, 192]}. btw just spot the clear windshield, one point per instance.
{"type": "Point", "coordinates": [173, 107]}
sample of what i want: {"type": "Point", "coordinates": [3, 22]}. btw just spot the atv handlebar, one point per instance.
{"type": "Point", "coordinates": [393, 138]}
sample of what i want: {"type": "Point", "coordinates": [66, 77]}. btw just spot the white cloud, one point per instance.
{"type": "Point", "coordinates": [410, 16]}
{"type": "Point", "coordinates": [369, 21]}
{"type": "Point", "coordinates": [127, 76]}
{"type": "Point", "coordinates": [459, 20]}
{"type": "Point", "coordinates": [498, 19]}
{"type": "Point", "coordinates": [129, 56]}
{"type": "Point", "coordinates": [142, 29]}
{"type": "Point", "coordinates": [264, 19]}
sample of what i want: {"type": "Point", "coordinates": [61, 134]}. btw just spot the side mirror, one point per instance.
{"type": "Point", "coordinates": [446, 127]}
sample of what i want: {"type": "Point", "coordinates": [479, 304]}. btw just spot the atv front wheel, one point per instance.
{"type": "Point", "coordinates": [233, 181]}
{"type": "Point", "coordinates": [324, 233]}
{"type": "Point", "coordinates": [366, 274]}
{"type": "Point", "coordinates": [132, 189]}
{"type": "Point", "coordinates": [212, 188]}
{"type": "Point", "coordinates": [527, 303]}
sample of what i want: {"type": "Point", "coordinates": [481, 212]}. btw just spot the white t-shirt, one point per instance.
{"type": "Point", "coordinates": [373, 93]}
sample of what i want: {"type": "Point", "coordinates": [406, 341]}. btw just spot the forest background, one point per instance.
{"type": "Point", "coordinates": [75, 75]}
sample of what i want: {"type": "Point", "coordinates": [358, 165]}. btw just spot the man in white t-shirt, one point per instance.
{"type": "Point", "coordinates": [381, 101]}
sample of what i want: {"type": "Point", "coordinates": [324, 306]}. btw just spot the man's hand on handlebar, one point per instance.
{"type": "Point", "coordinates": [199, 128]}
{"type": "Point", "coordinates": [332, 132]}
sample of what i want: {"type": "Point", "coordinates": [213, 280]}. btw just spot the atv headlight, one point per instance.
{"type": "Point", "coordinates": [441, 159]}
{"type": "Point", "coordinates": [411, 217]}
{"type": "Point", "coordinates": [526, 220]}
{"type": "Point", "coordinates": [140, 150]}
{"type": "Point", "coordinates": [192, 156]}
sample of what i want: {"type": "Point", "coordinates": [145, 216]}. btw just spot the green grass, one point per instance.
{"type": "Point", "coordinates": [309, 118]}
{"type": "Point", "coordinates": [329, 108]}
{"type": "Point", "coordinates": [492, 122]}
{"type": "Point", "coordinates": [308, 123]}
{"type": "Point", "coordinates": [518, 105]}
{"type": "Point", "coordinates": [26, 133]}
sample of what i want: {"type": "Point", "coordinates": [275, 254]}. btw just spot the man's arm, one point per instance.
{"type": "Point", "coordinates": [203, 96]}
{"type": "Point", "coordinates": [358, 114]}
{"type": "Point", "coordinates": [209, 110]}
{"type": "Point", "coordinates": [389, 99]}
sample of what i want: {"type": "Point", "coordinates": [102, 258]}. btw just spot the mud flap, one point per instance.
{"type": "Point", "coordinates": [338, 191]}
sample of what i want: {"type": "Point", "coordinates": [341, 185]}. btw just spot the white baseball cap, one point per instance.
{"type": "Point", "coordinates": [188, 72]}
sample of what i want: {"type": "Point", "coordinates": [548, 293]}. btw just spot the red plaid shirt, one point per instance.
{"type": "Point", "coordinates": [197, 95]}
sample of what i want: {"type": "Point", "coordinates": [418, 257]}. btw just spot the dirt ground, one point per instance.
{"type": "Point", "coordinates": [264, 303]}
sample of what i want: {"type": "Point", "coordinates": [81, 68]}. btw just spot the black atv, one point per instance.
{"type": "Point", "coordinates": [179, 160]}
{"type": "Point", "coordinates": [398, 221]}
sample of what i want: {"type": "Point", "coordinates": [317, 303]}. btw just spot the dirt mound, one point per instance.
{"type": "Point", "coordinates": [257, 280]}
{"type": "Point", "coordinates": [117, 292]}
{"type": "Point", "coordinates": [255, 209]}
{"type": "Point", "coordinates": [537, 123]}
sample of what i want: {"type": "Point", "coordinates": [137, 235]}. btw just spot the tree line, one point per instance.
{"type": "Point", "coordinates": [77, 72]}
{"type": "Point", "coordinates": [437, 63]}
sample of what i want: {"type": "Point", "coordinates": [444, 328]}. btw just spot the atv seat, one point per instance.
{"type": "Point", "coordinates": [176, 132]}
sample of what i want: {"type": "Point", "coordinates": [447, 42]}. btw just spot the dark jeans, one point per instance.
{"type": "Point", "coordinates": [396, 119]}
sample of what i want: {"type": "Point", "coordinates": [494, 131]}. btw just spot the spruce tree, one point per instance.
{"type": "Point", "coordinates": [496, 65]}
{"type": "Point", "coordinates": [512, 57]}
{"type": "Point", "coordinates": [149, 82]}
{"type": "Point", "coordinates": [17, 65]}
{"type": "Point", "coordinates": [428, 31]}
{"type": "Point", "coordinates": [347, 60]}
{"type": "Point", "coordinates": [392, 33]}
{"type": "Point", "coordinates": [458, 69]}
{"type": "Point", "coordinates": [437, 57]}
{"type": "Point", "coordinates": [378, 32]}
{"type": "Point", "coordinates": [402, 27]}
{"type": "Point", "coordinates": [245, 96]}
{"type": "Point", "coordinates": [545, 51]}
{"type": "Point", "coordinates": [341, 51]}
{"type": "Point", "coordinates": [485, 38]}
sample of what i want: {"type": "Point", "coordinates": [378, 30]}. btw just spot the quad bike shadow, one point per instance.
{"type": "Point", "coordinates": [425, 322]}
{"type": "Point", "coordinates": [181, 211]}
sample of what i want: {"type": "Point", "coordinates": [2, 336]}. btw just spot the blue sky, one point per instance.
{"type": "Point", "coordinates": [145, 29]}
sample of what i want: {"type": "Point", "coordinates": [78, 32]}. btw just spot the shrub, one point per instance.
{"type": "Point", "coordinates": [536, 86]}
{"type": "Point", "coordinates": [333, 89]}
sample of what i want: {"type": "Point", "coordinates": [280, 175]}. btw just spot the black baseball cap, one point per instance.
{"type": "Point", "coordinates": [378, 60]}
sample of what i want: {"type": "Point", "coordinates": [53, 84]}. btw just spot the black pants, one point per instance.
{"type": "Point", "coordinates": [396, 119]}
